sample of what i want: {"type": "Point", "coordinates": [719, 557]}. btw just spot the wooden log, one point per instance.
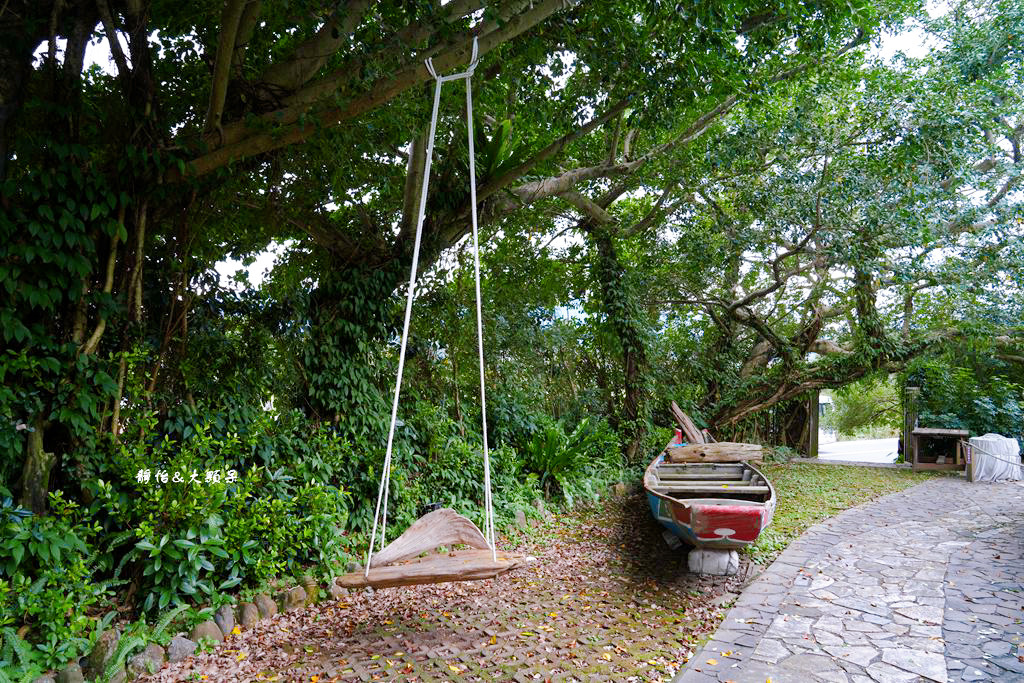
{"type": "Point", "coordinates": [690, 430]}
{"type": "Point", "coordinates": [723, 451]}
{"type": "Point", "coordinates": [459, 565]}
{"type": "Point", "coordinates": [432, 530]}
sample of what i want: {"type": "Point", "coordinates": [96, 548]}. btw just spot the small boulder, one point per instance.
{"type": "Point", "coordinates": [293, 599]}
{"type": "Point", "coordinates": [354, 566]}
{"type": "Point", "coordinates": [311, 587]}
{"type": "Point", "coordinates": [45, 678]}
{"type": "Point", "coordinates": [538, 505]}
{"type": "Point", "coordinates": [72, 673]}
{"type": "Point", "coordinates": [336, 591]}
{"type": "Point", "coordinates": [619, 489]}
{"type": "Point", "coordinates": [225, 619]}
{"type": "Point", "coordinates": [521, 519]}
{"type": "Point", "coordinates": [265, 605]}
{"type": "Point", "coordinates": [102, 653]}
{"type": "Point", "coordinates": [248, 615]}
{"type": "Point", "coordinates": [208, 630]}
{"type": "Point", "coordinates": [180, 648]}
{"type": "Point", "coordinates": [146, 662]}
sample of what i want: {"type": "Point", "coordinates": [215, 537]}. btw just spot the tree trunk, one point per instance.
{"type": "Point", "coordinates": [35, 477]}
{"type": "Point", "coordinates": [621, 313]}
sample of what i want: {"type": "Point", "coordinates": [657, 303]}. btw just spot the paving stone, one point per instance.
{"type": "Point", "coordinates": [928, 664]}
{"type": "Point", "coordinates": [770, 650]}
{"type": "Point", "coordinates": [812, 664]}
{"type": "Point", "coordinates": [861, 656]}
{"type": "Point", "coordinates": [881, 672]}
{"type": "Point", "coordinates": [928, 615]}
{"type": "Point", "coordinates": [790, 627]}
{"type": "Point", "coordinates": [903, 591]}
{"type": "Point", "coordinates": [1009, 663]}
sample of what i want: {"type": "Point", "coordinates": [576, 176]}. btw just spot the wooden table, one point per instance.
{"type": "Point", "coordinates": [955, 449]}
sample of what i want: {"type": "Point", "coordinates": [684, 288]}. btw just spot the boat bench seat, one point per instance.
{"type": "Point", "coordinates": [714, 476]}
{"type": "Point", "coordinates": [746, 490]}
{"type": "Point", "coordinates": [717, 483]}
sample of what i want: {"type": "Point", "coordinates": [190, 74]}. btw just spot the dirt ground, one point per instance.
{"type": "Point", "coordinates": [607, 599]}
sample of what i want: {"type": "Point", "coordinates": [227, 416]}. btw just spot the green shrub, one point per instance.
{"type": "Point", "coordinates": [574, 464]}
{"type": "Point", "coordinates": [46, 584]}
{"type": "Point", "coordinates": [196, 534]}
{"type": "Point", "coordinates": [977, 399]}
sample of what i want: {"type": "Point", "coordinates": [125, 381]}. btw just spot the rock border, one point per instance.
{"type": "Point", "coordinates": [226, 621]}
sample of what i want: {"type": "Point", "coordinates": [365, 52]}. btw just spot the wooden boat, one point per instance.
{"type": "Point", "coordinates": [716, 505]}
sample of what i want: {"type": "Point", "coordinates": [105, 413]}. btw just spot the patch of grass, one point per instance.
{"type": "Point", "coordinates": [809, 493]}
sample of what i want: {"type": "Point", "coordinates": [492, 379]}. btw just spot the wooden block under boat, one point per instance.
{"type": "Point", "coordinates": [457, 565]}
{"type": "Point", "coordinates": [723, 451]}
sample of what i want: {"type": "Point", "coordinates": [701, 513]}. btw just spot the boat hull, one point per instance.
{"type": "Point", "coordinates": [711, 522]}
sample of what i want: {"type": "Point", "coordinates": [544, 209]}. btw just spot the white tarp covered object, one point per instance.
{"type": "Point", "coordinates": [996, 458]}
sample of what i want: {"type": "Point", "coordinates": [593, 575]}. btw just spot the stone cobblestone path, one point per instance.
{"type": "Point", "coordinates": [922, 585]}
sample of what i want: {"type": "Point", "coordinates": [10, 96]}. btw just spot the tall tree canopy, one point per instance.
{"type": "Point", "coordinates": [732, 169]}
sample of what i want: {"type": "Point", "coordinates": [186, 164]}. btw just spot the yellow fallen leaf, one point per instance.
{"type": "Point", "coordinates": [236, 631]}
{"type": "Point", "coordinates": [712, 662]}
{"type": "Point", "coordinates": [494, 639]}
{"type": "Point", "coordinates": [314, 679]}
{"type": "Point", "coordinates": [455, 668]}
{"type": "Point", "coordinates": [727, 653]}
{"type": "Point", "coordinates": [241, 656]}
{"type": "Point", "coordinates": [203, 677]}
{"type": "Point", "coordinates": [606, 655]}
{"type": "Point", "coordinates": [553, 614]}
{"type": "Point", "coordinates": [388, 621]}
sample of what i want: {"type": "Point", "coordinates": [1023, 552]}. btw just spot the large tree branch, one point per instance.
{"type": "Point", "coordinates": [307, 59]}
{"type": "Point", "coordinates": [291, 125]}
{"type": "Point", "coordinates": [229, 21]}
{"type": "Point", "coordinates": [115, 45]}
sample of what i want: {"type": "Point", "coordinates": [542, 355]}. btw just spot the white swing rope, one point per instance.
{"type": "Point", "coordinates": [381, 512]}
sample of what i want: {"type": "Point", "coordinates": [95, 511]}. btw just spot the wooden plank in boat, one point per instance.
{"type": "Point", "coordinates": [731, 483]}
{"type": "Point", "coordinates": [714, 489]}
{"type": "Point", "coordinates": [724, 451]}
{"type": "Point", "coordinates": [703, 466]}
{"type": "Point", "coordinates": [682, 476]}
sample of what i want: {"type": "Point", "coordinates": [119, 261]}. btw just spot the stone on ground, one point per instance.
{"type": "Point", "coordinates": [180, 648]}
{"type": "Point", "coordinates": [248, 615]}
{"type": "Point", "coordinates": [148, 661]}
{"type": "Point", "coordinates": [225, 619]}
{"type": "Point", "coordinates": [265, 605]}
{"type": "Point", "coordinates": [102, 653]}
{"type": "Point", "coordinates": [208, 630]}
{"type": "Point", "coordinates": [293, 599]}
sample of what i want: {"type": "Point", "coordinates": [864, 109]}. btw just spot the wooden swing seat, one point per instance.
{"type": "Point", "coordinates": [457, 565]}
{"type": "Point", "coordinates": [399, 565]}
